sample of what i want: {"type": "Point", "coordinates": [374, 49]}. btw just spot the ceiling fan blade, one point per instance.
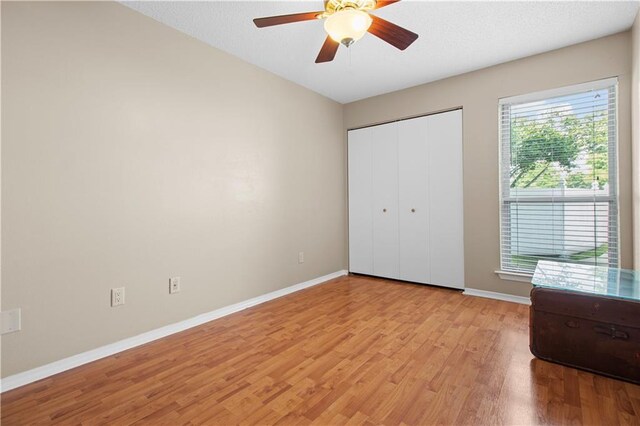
{"type": "Point", "coordinates": [285, 19]}
{"type": "Point", "coordinates": [391, 33]}
{"type": "Point", "coordinates": [328, 51]}
{"type": "Point", "coordinates": [383, 3]}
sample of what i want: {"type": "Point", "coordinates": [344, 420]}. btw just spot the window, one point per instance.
{"type": "Point", "coordinates": [558, 184]}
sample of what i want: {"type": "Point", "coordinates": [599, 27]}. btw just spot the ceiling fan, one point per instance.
{"type": "Point", "coordinates": [347, 21]}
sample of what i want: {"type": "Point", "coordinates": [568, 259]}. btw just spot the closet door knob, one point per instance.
{"type": "Point", "coordinates": [413, 210]}
{"type": "Point", "coordinates": [384, 210]}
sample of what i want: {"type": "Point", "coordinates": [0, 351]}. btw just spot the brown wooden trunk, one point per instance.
{"type": "Point", "coordinates": [589, 332]}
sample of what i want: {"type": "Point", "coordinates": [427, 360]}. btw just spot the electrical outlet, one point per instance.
{"type": "Point", "coordinates": [117, 296]}
{"type": "Point", "coordinates": [10, 321]}
{"type": "Point", "coordinates": [174, 285]}
{"type": "Point", "coordinates": [301, 257]}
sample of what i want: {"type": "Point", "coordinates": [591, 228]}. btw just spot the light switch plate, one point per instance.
{"type": "Point", "coordinates": [10, 321]}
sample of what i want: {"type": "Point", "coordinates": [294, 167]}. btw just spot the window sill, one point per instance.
{"type": "Point", "coordinates": [514, 276]}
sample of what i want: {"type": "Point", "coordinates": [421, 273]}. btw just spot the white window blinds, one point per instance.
{"type": "Point", "coordinates": [558, 189]}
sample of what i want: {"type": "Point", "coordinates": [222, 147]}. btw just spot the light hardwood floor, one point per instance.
{"type": "Point", "coordinates": [355, 350]}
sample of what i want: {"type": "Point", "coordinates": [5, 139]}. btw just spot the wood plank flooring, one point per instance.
{"type": "Point", "coordinates": [355, 350]}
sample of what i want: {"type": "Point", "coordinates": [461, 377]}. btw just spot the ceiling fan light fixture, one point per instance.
{"type": "Point", "coordinates": [347, 26]}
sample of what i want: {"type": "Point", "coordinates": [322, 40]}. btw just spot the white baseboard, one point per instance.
{"type": "Point", "coordinates": [26, 377]}
{"type": "Point", "coordinates": [498, 296]}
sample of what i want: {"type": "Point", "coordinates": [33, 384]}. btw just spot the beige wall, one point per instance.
{"type": "Point", "coordinates": [635, 131]}
{"type": "Point", "coordinates": [133, 153]}
{"type": "Point", "coordinates": [478, 93]}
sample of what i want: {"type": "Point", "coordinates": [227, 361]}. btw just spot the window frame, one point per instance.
{"type": "Point", "coordinates": [504, 164]}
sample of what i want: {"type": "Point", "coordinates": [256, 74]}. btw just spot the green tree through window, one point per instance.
{"type": "Point", "coordinates": [544, 152]}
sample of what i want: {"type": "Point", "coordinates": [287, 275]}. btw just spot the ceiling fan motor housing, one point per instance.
{"type": "Point", "coordinates": [333, 6]}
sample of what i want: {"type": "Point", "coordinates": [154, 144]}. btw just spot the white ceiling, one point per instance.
{"type": "Point", "coordinates": [455, 37]}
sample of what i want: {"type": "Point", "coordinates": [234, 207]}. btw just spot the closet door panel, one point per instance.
{"type": "Point", "coordinates": [360, 202]}
{"type": "Point", "coordinates": [444, 136]}
{"type": "Point", "coordinates": [384, 143]}
{"type": "Point", "coordinates": [413, 157]}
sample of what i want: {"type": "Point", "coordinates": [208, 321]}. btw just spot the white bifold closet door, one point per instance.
{"type": "Point", "coordinates": [413, 158]}
{"type": "Point", "coordinates": [446, 216]}
{"type": "Point", "coordinates": [384, 145]}
{"type": "Point", "coordinates": [405, 200]}
{"type": "Point", "coordinates": [360, 202]}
